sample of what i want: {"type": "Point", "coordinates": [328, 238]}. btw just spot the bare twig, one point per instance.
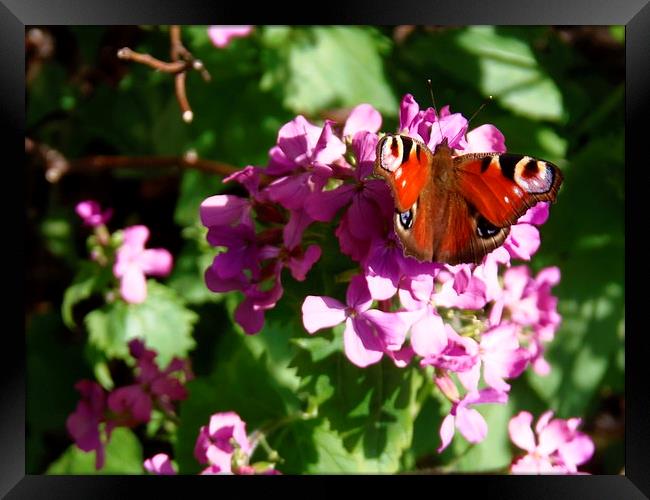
{"type": "Point", "coordinates": [148, 60]}
{"type": "Point", "coordinates": [182, 61]}
{"type": "Point", "coordinates": [56, 165]}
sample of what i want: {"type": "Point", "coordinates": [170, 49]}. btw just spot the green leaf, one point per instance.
{"type": "Point", "coordinates": [370, 410]}
{"type": "Point", "coordinates": [162, 321]}
{"type": "Point", "coordinates": [123, 456]}
{"type": "Point", "coordinates": [89, 279]}
{"type": "Point", "coordinates": [251, 376]}
{"type": "Point", "coordinates": [496, 61]}
{"type": "Point", "coordinates": [322, 67]}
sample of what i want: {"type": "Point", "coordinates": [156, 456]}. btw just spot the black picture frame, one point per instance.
{"type": "Point", "coordinates": [634, 14]}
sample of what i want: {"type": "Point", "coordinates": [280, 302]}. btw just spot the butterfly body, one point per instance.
{"type": "Point", "coordinates": [457, 209]}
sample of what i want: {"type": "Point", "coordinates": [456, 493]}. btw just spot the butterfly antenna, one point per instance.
{"type": "Point", "coordinates": [435, 107]}
{"type": "Point", "coordinates": [480, 108]}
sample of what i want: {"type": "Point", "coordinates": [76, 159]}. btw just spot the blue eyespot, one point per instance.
{"type": "Point", "coordinates": [406, 219]}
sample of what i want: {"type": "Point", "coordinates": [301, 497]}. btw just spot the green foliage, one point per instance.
{"type": "Point", "coordinates": [369, 410]}
{"type": "Point", "coordinates": [317, 68]}
{"type": "Point", "coordinates": [162, 321]}
{"type": "Point", "coordinates": [123, 456]}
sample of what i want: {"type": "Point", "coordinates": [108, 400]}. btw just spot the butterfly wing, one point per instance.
{"type": "Point", "coordinates": [490, 193]}
{"type": "Point", "coordinates": [405, 163]}
{"type": "Point", "coordinates": [502, 187]}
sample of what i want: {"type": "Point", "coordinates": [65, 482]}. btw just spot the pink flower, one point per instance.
{"type": "Point", "coordinates": [216, 443]}
{"type": "Point", "coordinates": [91, 213]}
{"type": "Point", "coordinates": [368, 332]}
{"type": "Point", "coordinates": [468, 421]}
{"type": "Point", "coordinates": [160, 464]}
{"type": "Point", "coordinates": [523, 240]}
{"type": "Point", "coordinates": [530, 304]}
{"type": "Point", "coordinates": [163, 387]}
{"type": "Point", "coordinates": [225, 210]}
{"type": "Point", "coordinates": [559, 448]}
{"type": "Point", "coordinates": [83, 424]}
{"type": "Point", "coordinates": [221, 36]}
{"type": "Point", "coordinates": [500, 356]}
{"type": "Point", "coordinates": [302, 159]}
{"type": "Point", "coordinates": [420, 124]}
{"type": "Point", "coordinates": [129, 405]}
{"type": "Point", "coordinates": [459, 355]}
{"type": "Point", "coordinates": [485, 139]}
{"type": "Point", "coordinates": [362, 118]}
{"type": "Point", "coordinates": [133, 262]}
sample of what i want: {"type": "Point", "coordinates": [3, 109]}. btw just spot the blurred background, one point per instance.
{"type": "Point", "coordinates": [109, 129]}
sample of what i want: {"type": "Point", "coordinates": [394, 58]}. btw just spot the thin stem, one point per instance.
{"type": "Point", "coordinates": [173, 67]}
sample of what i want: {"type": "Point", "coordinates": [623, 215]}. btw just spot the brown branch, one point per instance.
{"type": "Point", "coordinates": [182, 61]}
{"type": "Point", "coordinates": [56, 165]}
{"type": "Point", "coordinates": [148, 60]}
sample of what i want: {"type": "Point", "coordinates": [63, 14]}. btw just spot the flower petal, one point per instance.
{"type": "Point", "coordinates": [156, 262]}
{"type": "Point", "coordinates": [362, 118]}
{"type": "Point", "coordinates": [447, 431]}
{"type": "Point", "coordinates": [358, 295]}
{"type": "Point", "coordinates": [321, 312]}
{"type": "Point", "coordinates": [471, 424]}
{"type": "Point", "coordinates": [428, 335]}
{"type": "Point", "coordinates": [133, 285]}
{"type": "Point", "coordinates": [520, 431]}
{"type": "Point", "coordinates": [360, 346]}
{"type": "Point", "coordinates": [485, 139]}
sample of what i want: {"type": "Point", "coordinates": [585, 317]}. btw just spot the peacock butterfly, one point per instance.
{"type": "Point", "coordinates": [458, 209]}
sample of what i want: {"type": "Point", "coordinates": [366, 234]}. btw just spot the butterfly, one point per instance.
{"type": "Point", "coordinates": [458, 209]}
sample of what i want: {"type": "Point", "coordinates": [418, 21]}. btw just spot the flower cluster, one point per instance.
{"type": "Point", "coordinates": [132, 261]}
{"type": "Point", "coordinates": [474, 324]}
{"type": "Point", "coordinates": [223, 446]}
{"type": "Point", "coordinates": [99, 412]}
{"type": "Point", "coordinates": [559, 448]}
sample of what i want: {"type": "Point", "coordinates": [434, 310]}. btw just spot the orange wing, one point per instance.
{"type": "Point", "coordinates": [406, 164]}
{"type": "Point", "coordinates": [503, 187]}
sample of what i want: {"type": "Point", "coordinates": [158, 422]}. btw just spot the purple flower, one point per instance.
{"type": "Point", "coordinates": [242, 253]}
{"type": "Point", "coordinates": [500, 356]}
{"type": "Point", "coordinates": [91, 213]}
{"type": "Point", "coordinates": [459, 355]}
{"type": "Point", "coordinates": [485, 139]}
{"type": "Point", "coordinates": [163, 386]}
{"type": "Point", "coordinates": [523, 240]}
{"type": "Point", "coordinates": [225, 210]}
{"type": "Point", "coordinates": [530, 304]}
{"type": "Point", "coordinates": [133, 262]}
{"type": "Point", "coordinates": [559, 448]}
{"type": "Point", "coordinates": [83, 424]}
{"type": "Point", "coordinates": [464, 290]}
{"type": "Point", "coordinates": [160, 464]}
{"type": "Point", "coordinates": [216, 443]}
{"type": "Point", "coordinates": [221, 36]}
{"type": "Point", "coordinates": [362, 118]}
{"type": "Point", "coordinates": [467, 420]}
{"type": "Point", "coordinates": [129, 406]}
{"type": "Point", "coordinates": [368, 334]}
{"type": "Point", "coordinates": [420, 124]}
